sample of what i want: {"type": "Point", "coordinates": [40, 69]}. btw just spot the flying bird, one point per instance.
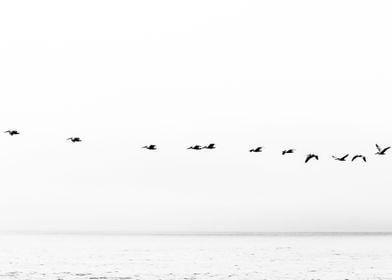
{"type": "Point", "coordinates": [343, 158]}
{"type": "Point", "coordinates": [310, 156]}
{"type": "Point", "coordinates": [289, 151]}
{"type": "Point", "coordinates": [12, 132]}
{"type": "Point", "coordinates": [196, 147]}
{"type": "Point", "coordinates": [150, 147]}
{"type": "Point", "coordinates": [210, 147]}
{"type": "Point", "coordinates": [381, 151]}
{"type": "Point", "coordinates": [256, 150]}
{"type": "Point", "coordinates": [75, 139]}
{"type": "Point", "coordinates": [359, 156]}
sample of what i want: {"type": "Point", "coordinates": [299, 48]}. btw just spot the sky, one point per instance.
{"type": "Point", "coordinates": [311, 75]}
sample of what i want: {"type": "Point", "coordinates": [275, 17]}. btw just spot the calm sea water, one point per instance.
{"type": "Point", "coordinates": [195, 257]}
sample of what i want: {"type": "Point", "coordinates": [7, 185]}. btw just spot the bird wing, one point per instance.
{"type": "Point", "coordinates": [345, 156]}
{"type": "Point", "coordinates": [378, 147]}
{"type": "Point", "coordinates": [355, 157]}
{"type": "Point", "coordinates": [364, 159]}
{"type": "Point", "coordinates": [308, 157]}
{"type": "Point", "coordinates": [386, 149]}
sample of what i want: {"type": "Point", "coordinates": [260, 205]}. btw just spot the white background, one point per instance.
{"type": "Point", "coordinates": [310, 75]}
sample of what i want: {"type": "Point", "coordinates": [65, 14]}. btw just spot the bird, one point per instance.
{"type": "Point", "coordinates": [257, 150]}
{"type": "Point", "coordinates": [210, 147]}
{"type": "Point", "coordinates": [196, 147]}
{"type": "Point", "coordinates": [12, 132]}
{"type": "Point", "coordinates": [289, 151]}
{"type": "Point", "coordinates": [359, 156]}
{"type": "Point", "coordinates": [381, 151]}
{"type": "Point", "coordinates": [150, 147]}
{"type": "Point", "coordinates": [343, 158]}
{"type": "Point", "coordinates": [310, 156]}
{"type": "Point", "coordinates": [75, 139]}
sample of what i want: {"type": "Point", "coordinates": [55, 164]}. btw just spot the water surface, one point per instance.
{"type": "Point", "coordinates": [195, 257]}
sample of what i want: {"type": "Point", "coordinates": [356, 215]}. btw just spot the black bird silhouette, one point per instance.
{"type": "Point", "coordinates": [210, 146]}
{"type": "Point", "coordinates": [12, 132]}
{"type": "Point", "coordinates": [381, 151]}
{"type": "Point", "coordinates": [289, 151]}
{"type": "Point", "coordinates": [150, 147]}
{"type": "Point", "coordinates": [343, 158]}
{"type": "Point", "coordinates": [257, 150]}
{"type": "Point", "coordinates": [359, 156]}
{"type": "Point", "coordinates": [196, 147]}
{"type": "Point", "coordinates": [310, 156]}
{"type": "Point", "coordinates": [75, 139]}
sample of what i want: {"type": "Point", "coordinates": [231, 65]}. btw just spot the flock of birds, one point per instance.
{"type": "Point", "coordinates": [380, 151]}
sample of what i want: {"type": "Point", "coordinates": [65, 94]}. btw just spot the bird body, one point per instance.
{"type": "Point", "coordinates": [196, 147]}
{"type": "Point", "coordinates": [12, 132]}
{"type": "Point", "coordinates": [381, 151]}
{"type": "Point", "coordinates": [75, 139]}
{"type": "Point", "coordinates": [289, 151]}
{"type": "Point", "coordinates": [310, 156]}
{"type": "Point", "coordinates": [210, 147]}
{"type": "Point", "coordinates": [256, 150]}
{"type": "Point", "coordinates": [359, 156]}
{"type": "Point", "coordinates": [343, 158]}
{"type": "Point", "coordinates": [150, 147]}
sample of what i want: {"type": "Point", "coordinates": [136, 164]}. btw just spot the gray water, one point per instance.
{"type": "Point", "coordinates": [195, 257]}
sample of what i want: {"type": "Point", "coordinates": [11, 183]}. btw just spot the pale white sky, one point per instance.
{"type": "Point", "coordinates": [312, 75]}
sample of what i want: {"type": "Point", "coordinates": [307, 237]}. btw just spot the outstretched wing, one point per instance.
{"type": "Point", "coordinates": [386, 149]}
{"type": "Point", "coordinates": [355, 157]}
{"type": "Point", "coordinates": [308, 157]}
{"type": "Point", "coordinates": [378, 147]}
{"type": "Point", "coordinates": [345, 157]}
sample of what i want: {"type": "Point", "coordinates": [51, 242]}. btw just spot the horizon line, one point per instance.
{"type": "Point", "coordinates": [193, 233]}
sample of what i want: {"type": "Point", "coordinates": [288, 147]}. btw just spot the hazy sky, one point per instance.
{"type": "Point", "coordinates": [312, 75]}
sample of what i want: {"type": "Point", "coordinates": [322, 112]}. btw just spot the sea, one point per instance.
{"type": "Point", "coordinates": [192, 256]}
